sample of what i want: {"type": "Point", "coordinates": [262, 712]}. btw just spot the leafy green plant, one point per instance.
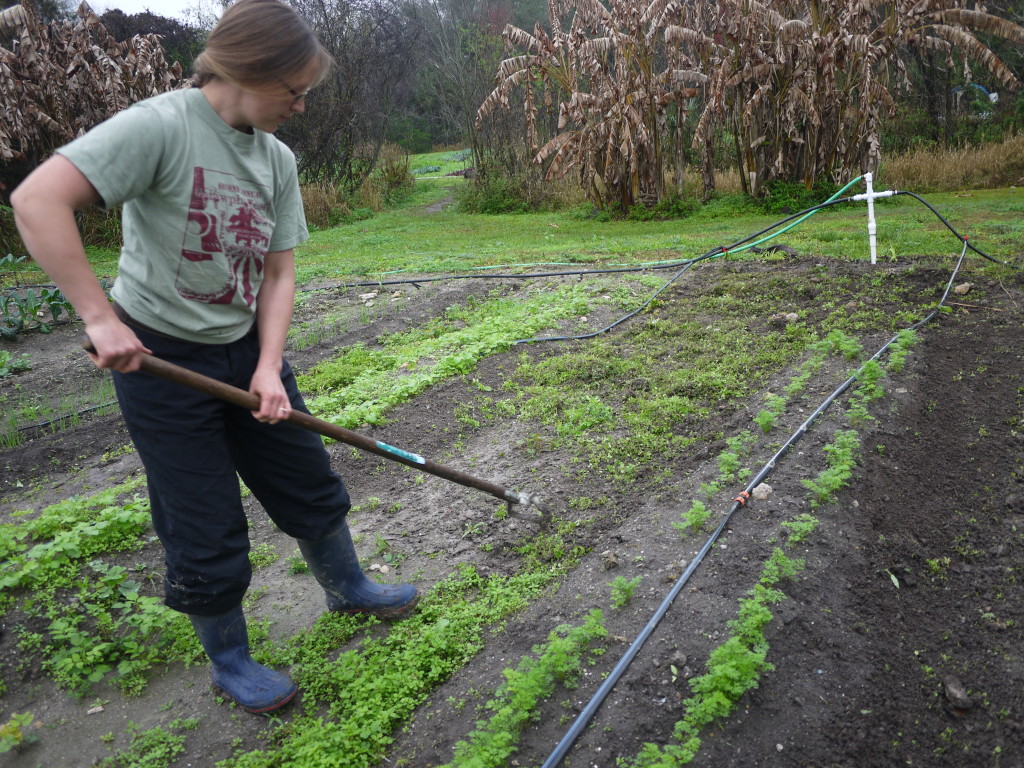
{"type": "Point", "coordinates": [868, 378]}
{"type": "Point", "coordinates": [800, 527]}
{"type": "Point", "coordinates": [842, 458]}
{"type": "Point", "coordinates": [493, 741]}
{"type": "Point", "coordinates": [297, 565]}
{"type": "Point", "coordinates": [12, 364]}
{"type": "Point", "coordinates": [623, 589]}
{"type": "Point", "coordinates": [23, 309]}
{"type": "Point", "coordinates": [900, 349]}
{"type": "Point", "coordinates": [774, 406]}
{"type": "Point", "coordinates": [96, 620]}
{"type": "Point", "coordinates": [16, 733]}
{"type": "Point", "coordinates": [359, 386]}
{"type": "Point", "coordinates": [780, 567]}
{"type": "Point", "coordinates": [358, 699]}
{"type": "Point", "coordinates": [937, 566]}
{"type": "Point", "coordinates": [733, 668]}
{"type": "Point", "coordinates": [263, 555]}
{"type": "Point", "coordinates": [155, 748]}
{"type": "Point", "coordinates": [839, 343]}
{"type": "Point", "coordinates": [693, 520]}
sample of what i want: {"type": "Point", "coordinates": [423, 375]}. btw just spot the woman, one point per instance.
{"type": "Point", "coordinates": [212, 213]}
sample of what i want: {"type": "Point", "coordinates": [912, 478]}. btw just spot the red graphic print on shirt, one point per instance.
{"type": "Point", "coordinates": [226, 239]}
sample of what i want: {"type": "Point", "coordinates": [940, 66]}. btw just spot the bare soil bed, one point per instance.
{"type": "Point", "coordinates": [899, 644]}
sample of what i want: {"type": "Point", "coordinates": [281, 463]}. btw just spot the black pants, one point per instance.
{"type": "Point", "coordinates": [195, 447]}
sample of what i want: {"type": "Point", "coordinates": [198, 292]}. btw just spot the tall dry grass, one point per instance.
{"type": "Point", "coordinates": [324, 204]}
{"type": "Point", "coordinates": [933, 169]}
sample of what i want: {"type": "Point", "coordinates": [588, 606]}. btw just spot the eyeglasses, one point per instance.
{"type": "Point", "coordinates": [297, 96]}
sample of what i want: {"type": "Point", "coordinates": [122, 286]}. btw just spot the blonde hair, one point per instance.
{"type": "Point", "coordinates": [260, 42]}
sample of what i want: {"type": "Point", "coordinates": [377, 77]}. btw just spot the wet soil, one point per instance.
{"type": "Point", "coordinates": [900, 643]}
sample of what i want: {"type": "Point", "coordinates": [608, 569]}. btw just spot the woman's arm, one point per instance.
{"type": "Point", "coordinates": [274, 308]}
{"type": "Point", "coordinates": [44, 210]}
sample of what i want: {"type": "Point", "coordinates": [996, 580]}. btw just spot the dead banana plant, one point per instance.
{"type": "Point", "coordinates": [59, 80]}
{"type": "Point", "coordinates": [613, 83]}
{"type": "Point", "coordinates": [804, 86]}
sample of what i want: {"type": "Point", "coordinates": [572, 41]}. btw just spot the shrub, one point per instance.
{"type": "Point", "coordinates": [673, 206]}
{"type": "Point", "coordinates": [789, 197]}
{"type": "Point", "coordinates": [325, 205]}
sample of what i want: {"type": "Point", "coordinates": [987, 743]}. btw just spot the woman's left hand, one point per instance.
{"type": "Point", "coordinates": [274, 403]}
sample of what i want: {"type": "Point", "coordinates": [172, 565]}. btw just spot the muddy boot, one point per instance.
{"type": "Point", "coordinates": [333, 562]}
{"type": "Point", "coordinates": [255, 687]}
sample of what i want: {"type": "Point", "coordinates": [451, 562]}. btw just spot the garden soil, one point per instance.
{"type": "Point", "coordinates": [901, 643]}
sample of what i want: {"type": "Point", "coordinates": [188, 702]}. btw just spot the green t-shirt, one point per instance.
{"type": "Point", "coordinates": [203, 204]}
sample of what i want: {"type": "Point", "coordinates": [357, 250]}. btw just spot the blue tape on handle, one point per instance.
{"type": "Point", "coordinates": [413, 457]}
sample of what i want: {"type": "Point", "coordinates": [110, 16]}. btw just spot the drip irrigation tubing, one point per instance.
{"type": "Point", "coordinates": [949, 226]}
{"type": "Point", "coordinates": [42, 425]}
{"type": "Point", "coordinates": [581, 722]}
{"type": "Point", "coordinates": [717, 251]}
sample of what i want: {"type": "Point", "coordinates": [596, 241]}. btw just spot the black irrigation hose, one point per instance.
{"type": "Point", "coordinates": [415, 281]}
{"type": "Point", "coordinates": [718, 251]}
{"type": "Point", "coordinates": [44, 424]}
{"type": "Point", "coordinates": [588, 712]}
{"type": "Point", "coordinates": [950, 226]}
{"type": "Point", "coordinates": [622, 319]}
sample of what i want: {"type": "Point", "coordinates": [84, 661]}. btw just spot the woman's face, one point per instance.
{"type": "Point", "coordinates": [266, 109]}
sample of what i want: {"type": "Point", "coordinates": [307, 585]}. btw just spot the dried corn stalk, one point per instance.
{"type": "Point", "coordinates": [61, 79]}
{"type": "Point", "coordinates": [613, 82]}
{"type": "Point", "coordinates": [805, 85]}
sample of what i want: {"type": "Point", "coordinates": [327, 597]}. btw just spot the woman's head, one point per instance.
{"type": "Point", "coordinates": [260, 44]}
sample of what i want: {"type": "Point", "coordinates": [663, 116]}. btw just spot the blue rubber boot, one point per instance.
{"type": "Point", "coordinates": [255, 687]}
{"type": "Point", "coordinates": [333, 562]}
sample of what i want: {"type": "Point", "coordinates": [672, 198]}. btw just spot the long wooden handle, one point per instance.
{"type": "Point", "coordinates": [249, 401]}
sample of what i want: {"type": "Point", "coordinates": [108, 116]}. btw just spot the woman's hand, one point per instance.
{"type": "Point", "coordinates": [274, 403]}
{"type": "Point", "coordinates": [117, 347]}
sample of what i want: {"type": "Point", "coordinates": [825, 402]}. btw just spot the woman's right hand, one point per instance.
{"type": "Point", "coordinates": [116, 346]}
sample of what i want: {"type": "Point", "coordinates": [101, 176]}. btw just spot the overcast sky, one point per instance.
{"type": "Point", "coordinates": [172, 9]}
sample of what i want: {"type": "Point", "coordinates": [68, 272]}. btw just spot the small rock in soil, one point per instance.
{"type": "Point", "coordinates": [610, 560]}
{"type": "Point", "coordinates": [956, 694]}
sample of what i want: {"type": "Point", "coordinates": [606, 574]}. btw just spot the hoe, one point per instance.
{"type": "Point", "coordinates": [165, 370]}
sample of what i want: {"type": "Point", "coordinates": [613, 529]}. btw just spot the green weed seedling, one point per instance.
{"type": "Point", "coordinates": [297, 564]}
{"type": "Point", "coordinates": [262, 555]}
{"type": "Point", "coordinates": [938, 566]}
{"type": "Point", "coordinates": [623, 589]}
